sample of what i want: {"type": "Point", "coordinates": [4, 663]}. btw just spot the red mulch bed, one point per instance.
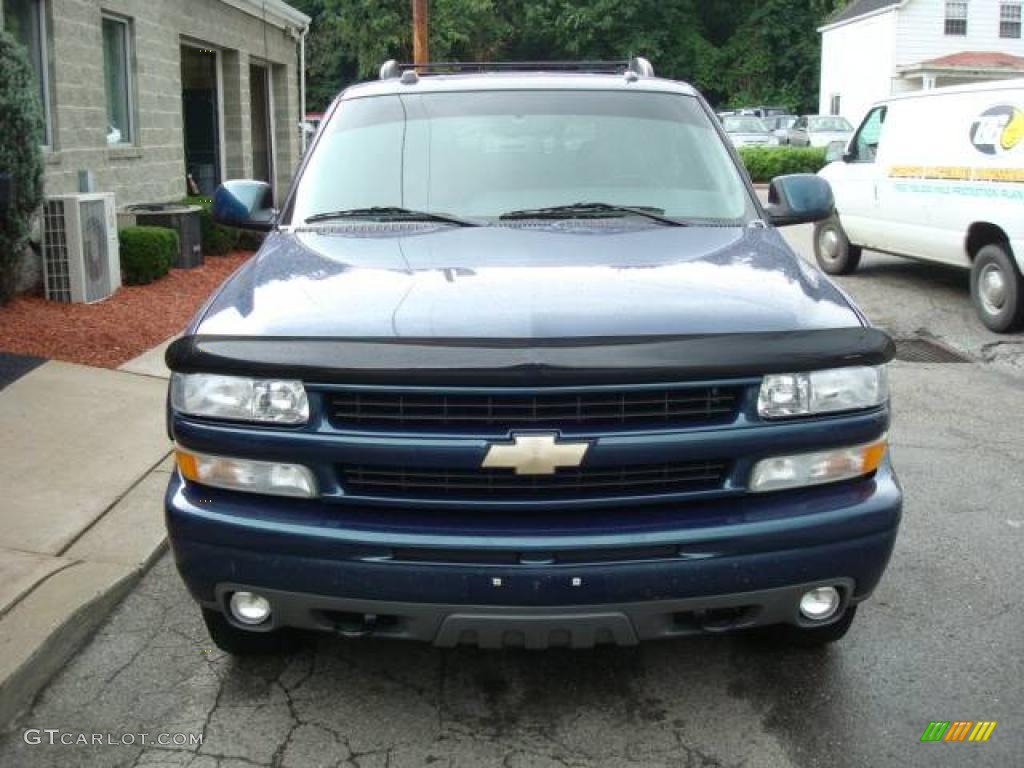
{"type": "Point", "coordinates": [117, 329]}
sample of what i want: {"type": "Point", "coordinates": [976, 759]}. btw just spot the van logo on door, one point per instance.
{"type": "Point", "coordinates": [998, 130]}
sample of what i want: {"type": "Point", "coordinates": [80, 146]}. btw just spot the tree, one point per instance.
{"type": "Point", "coordinates": [735, 52]}
{"type": "Point", "coordinates": [21, 132]}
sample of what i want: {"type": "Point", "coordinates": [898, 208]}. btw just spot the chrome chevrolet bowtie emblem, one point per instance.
{"type": "Point", "coordinates": [535, 454]}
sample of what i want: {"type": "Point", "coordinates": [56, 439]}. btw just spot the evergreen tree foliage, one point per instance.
{"type": "Point", "coordinates": [21, 130]}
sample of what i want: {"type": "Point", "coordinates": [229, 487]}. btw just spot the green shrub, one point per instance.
{"type": "Point", "coordinates": [21, 134]}
{"type": "Point", "coordinates": [765, 163]}
{"type": "Point", "coordinates": [217, 240]}
{"type": "Point", "coordinates": [147, 253]}
{"type": "Point", "coordinates": [249, 240]}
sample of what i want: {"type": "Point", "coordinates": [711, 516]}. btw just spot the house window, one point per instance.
{"type": "Point", "coordinates": [834, 104]}
{"type": "Point", "coordinates": [117, 80]}
{"type": "Point", "coordinates": [25, 20]}
{"type": "Point", "coordinates": [956, 17]}
{"type": "Point", "coordinates": [1009, 20]}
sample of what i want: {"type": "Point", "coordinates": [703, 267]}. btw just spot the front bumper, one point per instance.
{"type": "Point", "coordinates": [725, 564]}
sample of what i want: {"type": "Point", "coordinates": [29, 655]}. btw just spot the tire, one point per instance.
{"type": "Point", "coordinates": [241, 642]}
{"type": "Point", "coordinates": [812, 637]}
{"type": "Point", "coordinates": [997, 289]}
{"type": "Point", "coordinates": [833, 250]}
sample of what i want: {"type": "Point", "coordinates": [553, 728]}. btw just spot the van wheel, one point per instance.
{"type": "Point", "coordinates": [997, 289]}
{"type": "Point", "coordinates": [241, 642]}
{"type": "Point", "coordinates": [832, 249]}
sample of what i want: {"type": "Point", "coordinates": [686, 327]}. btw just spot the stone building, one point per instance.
{"type": "Point", "coordinates": [145, 94]}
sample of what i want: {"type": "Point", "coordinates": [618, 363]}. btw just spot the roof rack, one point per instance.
{"type": "Point", "coordinates": [636, 67]}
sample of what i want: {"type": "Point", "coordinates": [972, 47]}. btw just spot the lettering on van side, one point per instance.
{"type": "Point", "coordinates": [956, 173]}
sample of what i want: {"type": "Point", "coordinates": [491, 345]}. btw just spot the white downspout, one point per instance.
{"type": "Point", "coordinates": [302, 87]}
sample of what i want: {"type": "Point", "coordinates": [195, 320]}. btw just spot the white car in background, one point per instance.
{"type": "Point", "coordinates": [819, 131]}
{"type": "Point", "coordinates": [748, 131]}
{"type": "Point", "coordinates": [937, 175]}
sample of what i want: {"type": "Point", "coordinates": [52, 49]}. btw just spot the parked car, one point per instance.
{"type": "Point", "coordinates": [748, 131]}
{"type": "Point", "coordinates": [765, 112]}
{"type": "Point", "coordinates": [937, 175]}
{"type": "Point", "coordinates": [819, 131]}
{"type": "Point", "coordinates": [779, 125]}
{"type": "Point", "coordinates": [465, 407]}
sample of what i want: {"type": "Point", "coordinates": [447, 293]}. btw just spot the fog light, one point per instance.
{"type": "Point", "coordinates": [249, 608]}
{"type": "Point", "coordinates": [820, 603]}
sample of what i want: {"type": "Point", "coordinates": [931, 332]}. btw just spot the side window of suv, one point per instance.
{"type": "Point", "coordinates": [865, 146]}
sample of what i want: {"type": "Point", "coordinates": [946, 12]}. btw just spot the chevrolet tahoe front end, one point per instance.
{"type": "Point", "coordinates": [504, 417]}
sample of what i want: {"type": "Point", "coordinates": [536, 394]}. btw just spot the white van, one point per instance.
{"type": "Point", "coordinates": [937, 175]}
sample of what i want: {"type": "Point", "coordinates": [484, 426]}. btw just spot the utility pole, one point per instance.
{"type": "Point", "coordinates": [420, 26]}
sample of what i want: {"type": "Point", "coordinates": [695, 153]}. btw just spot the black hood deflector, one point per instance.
{"type": "Point", "coordinates": [529, 362]}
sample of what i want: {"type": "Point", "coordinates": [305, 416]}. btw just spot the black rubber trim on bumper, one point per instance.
{"type": "Point", "coordinates": [530, 362]}
{"type": "Point", "coordinates": [582, 626]}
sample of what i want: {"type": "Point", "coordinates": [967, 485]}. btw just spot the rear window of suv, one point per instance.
{"type": "Point", "coordinates": [482, 154]}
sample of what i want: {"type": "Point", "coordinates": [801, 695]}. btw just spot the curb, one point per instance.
{"type": "Point", "coordinates": [51, 622]}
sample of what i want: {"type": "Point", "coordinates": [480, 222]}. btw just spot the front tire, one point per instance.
{"type": "Point", "coordinates": [833, 250]}
{"type": "Point", "coordinates": [241, 642]}
{"type": "Point", "coordinates": [997, 289]}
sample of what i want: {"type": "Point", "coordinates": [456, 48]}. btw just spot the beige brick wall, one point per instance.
{"type": "Point", "coordinates": [153, 170]}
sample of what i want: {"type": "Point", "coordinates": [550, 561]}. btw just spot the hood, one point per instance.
{"type": "Point", "coordinates": [751, 137]}
{"type": "Point", "coordinates": [563, 280]}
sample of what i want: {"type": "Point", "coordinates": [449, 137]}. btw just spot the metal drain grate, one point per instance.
{"type": "Point", "coordinates": [926, 351]}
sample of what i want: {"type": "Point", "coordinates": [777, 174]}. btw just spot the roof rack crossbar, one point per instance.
{"type": "Point", "coordinates": [640, 66]}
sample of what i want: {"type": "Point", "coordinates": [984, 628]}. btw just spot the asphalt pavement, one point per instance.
{"type": "Point", "coordinates": [942, 638]}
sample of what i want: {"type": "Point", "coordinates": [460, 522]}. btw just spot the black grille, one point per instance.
{"type": "Point", "coordinates": [424, 482]}
{"type": "Point", "coordinates": [592, 409]}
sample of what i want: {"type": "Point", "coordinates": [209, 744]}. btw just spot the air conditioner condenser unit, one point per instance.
{"type": "Point", "coordinates": [81, 253]}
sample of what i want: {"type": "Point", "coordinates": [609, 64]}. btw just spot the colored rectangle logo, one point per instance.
{"type": "Point", "coordinates": [958, 730]}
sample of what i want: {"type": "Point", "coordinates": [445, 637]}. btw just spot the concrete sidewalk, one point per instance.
{"type": "Point", "coordinates": [86, 462]}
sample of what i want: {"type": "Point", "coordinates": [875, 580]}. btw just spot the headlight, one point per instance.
{"type": "Point", "coordinates": [239, 399]}
{"type": "Point", "coordinates": [784, 395]}
{"type": "Point", "coordinates": [247, 475]}
{"type": "Point", "coordinates": [816, 468]}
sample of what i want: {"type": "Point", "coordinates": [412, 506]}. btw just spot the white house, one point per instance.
{"type": "Point", "coordinates": [873, 48]}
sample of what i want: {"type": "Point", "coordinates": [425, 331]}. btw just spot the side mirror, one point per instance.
{"type": "Point", "coordinates": [801, 198]}
{"type": "Point", "coordinates": [245, 204]}
{"type": "Point", "coordinates": [835, 151]}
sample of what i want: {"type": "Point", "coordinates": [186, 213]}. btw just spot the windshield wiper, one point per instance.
{"type": "Point", "coordinates": [390, 213]}
{"type": "Point", "coordinates": [592, 209]}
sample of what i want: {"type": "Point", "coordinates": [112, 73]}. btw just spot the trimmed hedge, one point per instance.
{"type": "Point", "coordinates": [765, 163]}
{"type": "Point", "coordinates": [217, 240]}
{"type": "Point", "coordinates": [147, 253]}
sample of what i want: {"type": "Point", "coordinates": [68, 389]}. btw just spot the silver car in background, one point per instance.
{"type": "Point", "coordinates": [748, 131]}
{"type": "Point", "coordinates": [779, 125]}
{"type": "Point", "coordinates": [819, 131]}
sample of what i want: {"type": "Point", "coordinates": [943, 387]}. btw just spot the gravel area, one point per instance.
{"type": "Point", "coordinates": [113, 331]}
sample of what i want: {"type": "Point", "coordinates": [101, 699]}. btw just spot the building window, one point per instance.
{"type": "Point", "coordinates": [956, 17]}
{"type": "Point", "coordinates": [834, 104]}
{"type": "Point", "coordinates": [25, 20]}
{"type": "Point", "coordinates": [117, 80]}
{"type": "Point", "coordinates": [1009, 20]}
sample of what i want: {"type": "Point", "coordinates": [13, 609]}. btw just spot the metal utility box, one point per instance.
{"type": "Point", "coordinates": [184, 219]}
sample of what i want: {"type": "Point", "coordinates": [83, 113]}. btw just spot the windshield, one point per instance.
{"type": "Point", "coordinates": [828, 124]}
{"type": "Point", "coordinates": [484, 154]}
{"type": "Point", "coordinates": [744, 124]}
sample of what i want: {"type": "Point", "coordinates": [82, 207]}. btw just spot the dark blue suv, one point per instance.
{"type": "Point", "coordinates": [524, 361]}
